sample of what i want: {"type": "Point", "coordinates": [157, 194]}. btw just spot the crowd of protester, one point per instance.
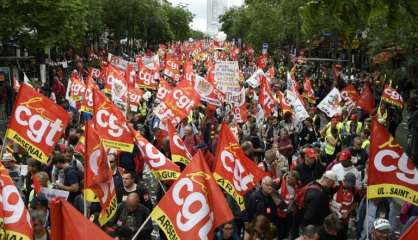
{"type": "Point", "coordinates": [317, 183]}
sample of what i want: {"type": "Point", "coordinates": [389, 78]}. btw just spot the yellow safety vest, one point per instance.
{"type": "Point", "coordinates": [329, 148]}
{"type": "Point", "coordinates": [358, 128]}
{"type": "Point", "coordinates": [381, 118]}
{"type": "Point", "coordinates": [365, 145]}
{"type": "Point", "coordinates": [338, 126]}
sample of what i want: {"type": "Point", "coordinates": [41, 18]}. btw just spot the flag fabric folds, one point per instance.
{"type": "Point", "coordinates": [233, 171]}
{"type": "Point", "coordinates": [391, 173]}
{"type": "Point", "coordinates": [14, 217]}
{"type": "Point", "coordinates": [194, 206]}
{"type": "Point", "coordinates": [68, 224]}
{"type": "Point", "coordinates": [37, 123]}
{"type": "Point", "coordinates": [98, 175]}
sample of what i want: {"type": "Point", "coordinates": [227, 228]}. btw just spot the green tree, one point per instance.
{"type": "Point", "coordinates": [179, 19]}
{"type": "Point", "coordinates": [43, 23]}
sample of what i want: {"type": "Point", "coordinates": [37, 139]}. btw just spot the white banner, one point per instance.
{"type": "Point", "coordinates": [120, 63]}
{"type": "Point", "coordinates": [51, 193]}
{"type": "Point", "coordinates": [120, 94]}
{"type": "Point", "coordinates": [227, 78]}
{"type": "Point", "coordinates": [299, 111]}
{"type": "Point", "coordinates": [208, 93]}
{"type": "Point", "coordinates": [331, 103]}
{"type": "Point", "coordinates": [254, 80]}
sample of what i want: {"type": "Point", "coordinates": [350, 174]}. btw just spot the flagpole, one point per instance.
{"type": "Point", "coordinates": [367, 214]}
{"type": "Point", "coordinates": [141, 227]}
{"type": "Point", "coordinates": [5, 141]}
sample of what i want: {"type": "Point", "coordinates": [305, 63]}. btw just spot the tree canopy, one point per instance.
{"type": "Point", "coordinates": [47, 23]}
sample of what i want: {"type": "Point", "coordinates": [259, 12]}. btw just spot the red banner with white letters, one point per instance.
{"type": "Point", "coordinates": [160, 165]}
{"type": "Point", "coordinates": [164, 88]}
{"type": "Point", "coordinates": [36, 123]}
{"type": "Point", "coordinates": [77, 88]}
{"type": "Point", "coordinates": [178, 104]}
{"type": "Point", "coordinates": [233, 171]}
{"type": "Point", "coordinates": [146, 79]}
{"type": "Point", "coordinates": [391, 96]}
{"type": "Point", "coordinates": [135, 96]}
{"type": "Point", "coordinates": [194, 206]}
{"type": "Point", "coordinates": [14, 216]}
{"type": "Point", "coordinates": [265, 98]}
{"type": "Point", "coordinates": [391, 173]}
{"type": "Point", "coordinates": [98, 175]}
{"type": "Point", "coordinates": [110, 124]}
{"type": "Point", "coordinates": [179, 152]}
{"type": "Point", "coordinates": [350, 96]}
{"type": "Point", "coordinates": [172, 67]}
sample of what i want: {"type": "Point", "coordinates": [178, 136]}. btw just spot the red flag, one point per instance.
{"type": "Point", "coordinates": [350, 96]}
{"type": "Point", "coordinates": [309, 93]}
{"type": "Point", "coordinates": [94, 73]}
{"type": "Point", "coordinates": [36, 184]}
{"type": "Point", "coordinates": [390, 171]}
{"type": "Point", "coordinates": [233, 171]}
{"type": "Point", "coordinates": [112, 74]}
{"type": "Point", "coordinates": [179, 152]}
{"type": "Point", "coordinates": [36, 123]}
{"type": "Point", "coordinates": [14, 216]}
{"type": "Point", "coordinates": [87, 101]}
{"type": "Point", "coordinates": [188, 71]}
{"type": "Point", "coordinates": [194, 206]}
{"type": "Point", "coordinates": [130, 76]}
{"type": "Point", "coordinates": [284, 105]}
{"type": "Point", "coordinates": [265, 98]}
{"type": "Point", "coordinates": [146, 79]}
{"type": "Point", "coordinates": [160, 165]}
{"type": "Point", "coordinates": [172, 67]}
{"type": "Point", "coordinates": [412, 232]}
{"type": "Point", "coordinates": [178, 103]}
{"type": "Point", "coordinates": [366, 101]}
{"type": "Point", "coordinates": [98, 175]}
{"type": "Point", "coordinates": [240, 110]}
{"type": "Point", "coordinates": [135, 96]}
{"type": "Point", "coordinates": [68, 224]}
{"type": "Point", "coordinates": [77, 88]}
{"type": "Point", "coordinates": [262, 61]}
{"type": "Point", "coordinates": [111, 124]}
{"type": "Point", "coordinates": [163, 89]}
{"type": "Point", "coordinates": [336, 71]}
{"type": "Point", "coordinates": [390, 95]}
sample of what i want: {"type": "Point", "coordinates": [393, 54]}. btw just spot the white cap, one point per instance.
{"type": "Point", "coordinates": [381, 224]}
{"type": "Point", "coordinates": [330, 175]}
{"type": "Point", "coordinates": [8, 157]}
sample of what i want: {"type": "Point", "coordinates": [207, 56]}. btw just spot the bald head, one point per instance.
{"type": "Point", "coordinates": [267, 185]}
{"type": "Point", "coordinates": [132, 201]}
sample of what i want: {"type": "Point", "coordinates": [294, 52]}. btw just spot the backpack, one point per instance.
{"type": "Point", "coordinates": [301, 194]}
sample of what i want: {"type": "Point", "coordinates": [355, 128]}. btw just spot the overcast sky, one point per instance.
{"type": "Point", "coordinates": [198, 8]}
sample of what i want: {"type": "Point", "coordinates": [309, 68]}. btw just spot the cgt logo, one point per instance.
{"type": "Point", "coordinates": [156, 158]}
{"type": "Point", "coordinates": [387, 160]}
{"type": "Point", "coordinates": [393, 94]}
{"type": "Point", "coordinates": [108, 120]}
{"type": "Point", "coordinates": [193, 204]}
{"type": "Point", "coordinates": [233, 165]}
{"type": "Point", "coordinates": [39, 126]}
{"type": "Point", "coordinates": [182, 100]}
{"type": "Point", "coordinates": [146, 76]}
{"type": "Point", "coordinates": [176, 141]}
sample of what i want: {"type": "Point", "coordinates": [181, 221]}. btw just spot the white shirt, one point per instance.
{"type": "Point", "coordinates": [340, 171]}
